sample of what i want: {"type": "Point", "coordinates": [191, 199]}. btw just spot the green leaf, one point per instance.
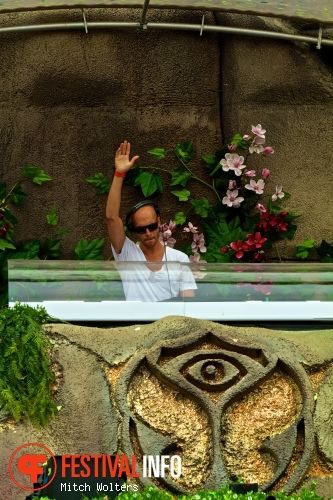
{"type": "Point", "coordinates": [29, 171]}
{"type": "Point", "coordinates": [131, 176]}
{"type": "Point", "coordinates": [101, 182]}
{"type": "Point", "coordinates": [301, 254]}
{"type": "Point", "coordinates": [62, 232]}
{"type": "Point", "coordinates": [52, 218]}
{"type": "Point", "coordinates": [10, 235]}
{"type": "Point", "coordinates": [42, 177]}
{"type": "Point", "coordinates": [5, 244]}
{"type": "Point", "coordinates": [291, 216]}
{"type": "Point", "coordinates": [182, 195]}
{"type": "Point", "coordinates": [51, 248]}
{"type": "Point", "coordinates": [213, 160]}
{"type": "Point", "coordinates": [234, 224]}
{"type": "Point", "coordinates": [325, 251]}
{"type": "Point", "coordinates": [302, 251]}
{"type": "Point", "coordinates": [220, 234]}
{"type": "Point", "coordinates": [327, 259]}
{"type": "Point", "coordinates": [37, 175]}
{"type": "Point", "coordinates": [210, 160]}
{"type": "Point", "coordinates": [89, 250]}
{"type": "Point", "coordinates": [18, 195]}
{"type": "Point", "coordinates": [180, 176]}
{"type": "Point", "coordinates": [184, 151]}
{"type": "Point", "coordinates": [238, 139]}
{"type": "Point", "coordinates": [158, 152]}
{"type": "Point", "coordinates": [202, 207]}
{"type": "Point", "coordinates": [149, 183]}
{"type": "Point", "coordinates": [10, 217]}
{"type": "Point", "coordinates": [180, 218]}
{"type": "Point", "coordinates": [272, 208]}
{"type": "Point", "coordinates": [27, 251]}
{"type": "Point", "coordinates": [309, 243]}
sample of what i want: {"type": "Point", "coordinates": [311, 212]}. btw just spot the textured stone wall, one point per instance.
{"type": "Point", "coordinates": [230, 401]}
{"type": "Point", "coordinates": [68, 98]}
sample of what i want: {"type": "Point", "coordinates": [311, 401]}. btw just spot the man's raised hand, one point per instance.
{"type": "Point", "coordinates": [122, 162]}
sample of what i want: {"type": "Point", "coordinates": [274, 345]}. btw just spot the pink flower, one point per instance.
{"type": "Point", "coordinates": [190, 228]}
{"type": "Point", "coordinates": [258, 130]}
{"type": "Point", "coordinates": [246, 137]}
{"type": "Point", "coordinates": [255, 241]}
{"type": "Point", "coordinates": [172, 226]}
{"type": "Point", "coordinates": [198, 243]}
{"type": "Point", "coordinates": [261, 207]}
{"type": "Point", "coordinates": [266, 173]}
{"type": "Point", "coordinates": [268, 150]}
{"type": "Point", "coordinates": [271, 222]}
{"type": "Point", "coordinates": [232, 185]}
{"type": "Point", "coordinates": [240, 247]}
{"type": "Point", "coordinates": [232, 147]}
{"type": "Point", "coordinates": [224, 249]}
{"type": "Point", "coordinates": [250, 173]}
{"type": "Point", "coordinates": [195, 259]}
{"type": "Point", "coordinates": [256, 145]}
{"type": "Point", "coordinates": [233, 162]}
{"type": "Point", "coordinates": [164, 228]}
{"type": "Point", "coordinates": [227, 161]}
{"type": "Point", "coordinates": [232, 199]}
{"type": "Point", "coordinates": [278, 193]}
{"type": "Point", "coordinates": [237, 164]}
{"type": "Point", "coordinates": [258, 187]}
{"type": "Point", "coordinates": [166, 240]}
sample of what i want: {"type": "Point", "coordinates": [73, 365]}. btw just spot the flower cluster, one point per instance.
{"type": "Point", "coordinates": [252, 244]}
{"type": "Point", "coordinates": [166, 231]}
{"type": "Point", "coordinates": [232, 162]}
{"type": "Point", "coordinates": [273, 222]}
{"type": "Point", "coordinates": [245, 191]}
{"type": "Point", "coordinates": [198, 240]}
{"type": "Point", "coordinates": [4, 226]}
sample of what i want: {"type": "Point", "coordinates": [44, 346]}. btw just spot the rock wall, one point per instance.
{"type": "Point", "coordinates": [68, 98]}
{"type": "Point", "coordinates": [230, 401]}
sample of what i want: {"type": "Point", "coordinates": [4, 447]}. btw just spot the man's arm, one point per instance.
{"type": "Point", "coordinates": [115, 224]}
{"type": "Point", "coordinates": [187, 293]}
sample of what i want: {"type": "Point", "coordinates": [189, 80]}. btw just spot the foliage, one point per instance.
{"type": "Point", "coordinates": [240, 220]}
{"type": "Point", "coordinates": [86, 250]}
{"type": "Point", "coordinates": [224, 493]}
{"type": "Point", "coordinates": [26, 378]}
{"type": "Point", "coordinates": [236, 225]}
{"type": "Point", "coordinates": [48, 248]}
{"type": "Point", "coordinates": [324, 250]}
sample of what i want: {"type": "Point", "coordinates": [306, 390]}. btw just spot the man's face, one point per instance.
{"type": "Point", "coordinates": [143, 217]}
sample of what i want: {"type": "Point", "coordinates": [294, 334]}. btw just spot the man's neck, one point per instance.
{"type": "Point", "coordinates": [155, 253]}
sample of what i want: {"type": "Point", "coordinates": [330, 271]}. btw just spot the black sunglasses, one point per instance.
{"type": "Point", "coordinates": [150, 227]}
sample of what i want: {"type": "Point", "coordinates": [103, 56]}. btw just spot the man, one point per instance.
{"type": "Point", "coordinates": [149, 282]}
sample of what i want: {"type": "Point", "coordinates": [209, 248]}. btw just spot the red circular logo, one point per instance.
{"type": "Point", "coordinates": [31, 464]}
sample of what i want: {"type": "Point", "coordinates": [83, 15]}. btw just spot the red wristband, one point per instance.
{"type": "Point", "coordinates": [120, 174]}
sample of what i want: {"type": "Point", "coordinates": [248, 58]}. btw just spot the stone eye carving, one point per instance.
{"type": "Point", "coordinates": [228, 409]}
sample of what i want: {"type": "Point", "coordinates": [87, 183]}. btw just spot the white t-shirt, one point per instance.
{"type": "Point", "coordinates": [142, 284]}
